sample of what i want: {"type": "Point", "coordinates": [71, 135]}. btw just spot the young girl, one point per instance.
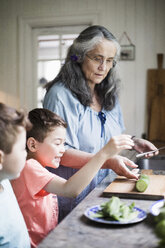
{"type": "Point", "coordinates": [35, 187]}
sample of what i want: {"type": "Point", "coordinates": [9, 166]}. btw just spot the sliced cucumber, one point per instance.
{"type": "Point", "coordinates": [142, 183]}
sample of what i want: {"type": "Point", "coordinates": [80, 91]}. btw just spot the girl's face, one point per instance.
{"type": "Point", "coordinates": [98, 62]}
{"type": "Point", "coordinates": [50, 151]}
{"type": "Point", "coordinates": [14, 162]}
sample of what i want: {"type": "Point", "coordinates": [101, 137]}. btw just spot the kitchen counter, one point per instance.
{"type": "Point", "coordinates": [77, 231]}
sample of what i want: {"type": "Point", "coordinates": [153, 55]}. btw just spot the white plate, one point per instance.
{"type": "Point", "coordinates": [155, 207]}
{"type": "Point", "coordinates": [92, 210]}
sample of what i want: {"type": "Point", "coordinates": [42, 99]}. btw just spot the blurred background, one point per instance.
{"type": "Point", "coordinates": [35, 35]}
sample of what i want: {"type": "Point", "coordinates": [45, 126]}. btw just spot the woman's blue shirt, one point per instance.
{"type": "Point", "coordinates": [85, 132]}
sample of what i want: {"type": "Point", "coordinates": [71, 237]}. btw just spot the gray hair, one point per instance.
{"type": "Point", "coordinates": [89, 38]}
{"type": "Point", "coordinates": [71, 74]}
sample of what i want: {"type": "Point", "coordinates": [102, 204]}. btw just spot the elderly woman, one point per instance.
{"type": "Point", "coordinates": [85, 95]}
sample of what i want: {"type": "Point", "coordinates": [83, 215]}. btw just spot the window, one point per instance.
{"type": "Point", "coordinates": [52, 50]}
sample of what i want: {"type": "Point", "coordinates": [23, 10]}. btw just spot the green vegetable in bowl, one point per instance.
{"type": "Point", "coordinates": [161, 215]}
{"type": "Point", "coordinates": [115, 209]}
{"type": "Point", "coordinates": [142, 183]}
{"type": "Point", "coordinates": [112, 207]}
{"type": "Point", "coordinates": [160, 229]}
{"type": "Point", "coordinates": [162, 243]}
{"type": "Point", "coordinates": [160, 226]}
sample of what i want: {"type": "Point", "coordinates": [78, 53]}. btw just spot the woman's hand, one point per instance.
{"type": "Point", "coordinates": [142, 145]}
{"type": "Point", "coordinates": [119, 165]}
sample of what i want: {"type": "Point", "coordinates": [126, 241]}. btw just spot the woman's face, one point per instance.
{"type": "Point", "coordinates": [98, 62]}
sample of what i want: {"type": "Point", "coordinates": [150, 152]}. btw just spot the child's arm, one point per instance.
{"type": "Point", "coordinates": [76, 184]}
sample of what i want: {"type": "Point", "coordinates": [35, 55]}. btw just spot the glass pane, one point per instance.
{"type": "Point", "coordinates": [47, 71]}
{"type": "Point", "coordinates": [48, 47]}
{"type": "Point", "coordinates": [66, 42]}
{"type": "Point", "coordinates": [48, 37]}
{"type": "Point", "coordinates": [69, 36]}
{"type": "Point", "coordinates": [40, 96]}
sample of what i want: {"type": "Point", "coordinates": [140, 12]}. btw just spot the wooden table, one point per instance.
{"type": "Point", "coordinates": [77, 231]}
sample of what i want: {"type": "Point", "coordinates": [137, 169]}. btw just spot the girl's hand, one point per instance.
{"type": "Point", "coordinates": [119, 143]}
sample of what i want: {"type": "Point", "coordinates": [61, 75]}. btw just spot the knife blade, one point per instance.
{"type": "Point", "coordinates": [146, 153]}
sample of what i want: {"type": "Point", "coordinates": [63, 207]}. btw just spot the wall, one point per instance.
{"type": "Point", "coordinates": [143, 20]}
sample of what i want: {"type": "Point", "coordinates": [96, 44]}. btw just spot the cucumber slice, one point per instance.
{"type": "Point", "coordinates": [144, 176]}
{"type": "Point", "coordinates": [142, 183]}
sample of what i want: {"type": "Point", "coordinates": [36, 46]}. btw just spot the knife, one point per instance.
{"type": "Point", "coordinates": [146, 153]}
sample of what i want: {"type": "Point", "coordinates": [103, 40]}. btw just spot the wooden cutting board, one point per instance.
{"type": "Point", "coordinates": [155, 101]}
{"type": "Point", "coordinates": [125, 188]}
